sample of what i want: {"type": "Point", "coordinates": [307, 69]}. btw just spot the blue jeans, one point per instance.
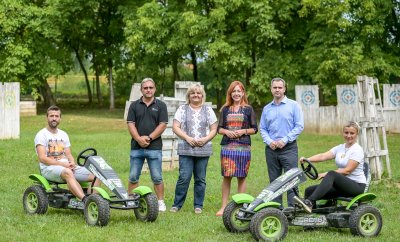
{"type": "Point", "coordinates": [154, 160]}
{"type": "Point", "coordinates": [187, 166]}
{"type": "Point", "coordinates": [279, 161]}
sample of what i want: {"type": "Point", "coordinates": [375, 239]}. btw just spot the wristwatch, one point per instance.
{"type": "Point", "coordinates": [151, 139]}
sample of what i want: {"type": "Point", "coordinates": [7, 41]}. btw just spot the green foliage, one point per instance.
{"type": "Point", "coordinates": [305, 42]}
{"type": "Point", "coordinates": [347, 38]}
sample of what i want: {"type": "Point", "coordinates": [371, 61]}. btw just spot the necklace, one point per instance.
{"type": "Point", "coordinates": [346, 149]}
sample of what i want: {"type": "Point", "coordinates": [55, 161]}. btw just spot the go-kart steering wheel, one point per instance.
{"type": "Point", "coordinates": [82, 156]}
{"type": "Point", "coordinates": [310, 169]}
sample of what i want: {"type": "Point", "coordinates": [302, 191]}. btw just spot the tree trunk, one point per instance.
{"type": "Point", "coordinates": [247, 77]}
{"type": "Point", "coordinates": [89, 90]}
{"type": "Point", "coordinates": [194, 62]}
{"type": "Point", "coordinates": [98, 89]}
{"type": "Point", "coordinates": [321, 96]}
{"type": "Point", "coordinates": [250, 70]}
{"type": "Point", "coordinates": [219, 91]}
{"type": "Point", "coordinates": [110, 82]}
{"type": "Point", "coordinates": [97, 74]}
{"type": "Point", "coordinates": [48, 97]}
{"type": "Point", "coordinates": [175, 70]}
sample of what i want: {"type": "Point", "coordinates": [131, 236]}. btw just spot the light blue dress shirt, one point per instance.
{"type": "Point", "coordinates": [281, 122]}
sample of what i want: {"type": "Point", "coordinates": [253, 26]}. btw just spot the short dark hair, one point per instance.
{"type": "Point", "coordinates": [278, 79]}
{"type": "Point", "coordinates": [53, 108]}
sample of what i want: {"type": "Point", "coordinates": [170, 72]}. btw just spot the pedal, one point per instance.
{"type": "Point", "coordinates": [301, 202]}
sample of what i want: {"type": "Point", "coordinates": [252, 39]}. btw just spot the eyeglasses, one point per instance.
{"type": "Point", "coordinates": [145, 88]}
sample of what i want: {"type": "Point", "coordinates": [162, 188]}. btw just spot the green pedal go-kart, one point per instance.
{"type": "Point", "coordinates": [266, 221]}
{"type": "Point", "coordinates": [37, 198]}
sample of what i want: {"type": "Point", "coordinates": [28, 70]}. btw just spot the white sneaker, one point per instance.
{"type": "Point", "coordinates": [161, 206]}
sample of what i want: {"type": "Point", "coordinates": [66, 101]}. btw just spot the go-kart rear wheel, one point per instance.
{"type": "Point", "coordinates": [365, 221]}
{"type": "Point", "coordinates": [269, 224]}
{"type": "Point", "coordinates": [148, 208]}
{"type": "Point", "coordinates": [97, 210]}
{"type": "Point", "coordinates": [232, 224]}
{"type": "Point", "coordinates": [35, 200]}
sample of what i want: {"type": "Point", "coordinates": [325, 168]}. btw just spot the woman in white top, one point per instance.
{"type": "Point", "coordinates": [348, 180]}
{"type": "Point", "coordinates": [196, 125]}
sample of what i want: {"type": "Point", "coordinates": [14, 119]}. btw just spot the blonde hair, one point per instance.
{"type": "Point", "coordinates": [147, 79]}
{"type": "Point", "coordinates": [193, 88]}
{"type": "Point", "coordinates": [352, 124]}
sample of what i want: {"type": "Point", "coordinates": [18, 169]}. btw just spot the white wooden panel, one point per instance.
{"type": "Point", "coordinates": [9, 110]}
{"type": "Point", "coordinates": [311, 119]}
{"type": "Point", "coordinates": [27, 108]}
{"type": "Point", "coordinates": [135, 92]}
{"type": "Point", "coordinates": [327, 120]}
{"type": "Point", "coordinates": [391, 96]}
{"type": "Point", "coordinates": [347, 95]}
{"type": "Point", "coordinates": [181, 88]}
{"type": "Point", "coordinates": [307, 96]}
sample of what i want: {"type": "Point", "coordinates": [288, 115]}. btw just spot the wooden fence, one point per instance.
{"type": "Point", "coordinates": [330, 119]}
{"type": "Point", "coordinates": [9, 110]}
{"type": "Point", "coordinates": [27, 108]}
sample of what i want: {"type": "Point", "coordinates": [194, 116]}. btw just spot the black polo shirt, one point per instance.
{"type": "Point", "coordinates": [146, 119]}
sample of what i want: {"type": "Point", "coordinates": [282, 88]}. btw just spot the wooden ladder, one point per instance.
{"type": "Point", "coordinates": [372, 134]}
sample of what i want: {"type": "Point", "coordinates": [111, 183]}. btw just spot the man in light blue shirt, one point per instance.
{"type": "Point", "coordinates": [280, 125]}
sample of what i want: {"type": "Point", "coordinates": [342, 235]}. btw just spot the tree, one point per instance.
{"type": "Point", "coordinates": [348, 38]}
{"type": "Point", "coordinates": [28, 55]}
{"type": "Point", "coordinates": [153, 39]}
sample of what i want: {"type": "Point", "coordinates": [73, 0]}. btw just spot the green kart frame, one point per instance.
{"type": "Point", "coordinates": [37, 198]}
{"type": "Point", "coordinates": [266, 221]}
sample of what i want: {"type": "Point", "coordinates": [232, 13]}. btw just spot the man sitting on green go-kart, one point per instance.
{"type": "Point", "coordinates": [56, 161]}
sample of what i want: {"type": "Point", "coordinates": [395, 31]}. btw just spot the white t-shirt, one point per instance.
{"type": "Point", "coordinates": [55, 144]}
{"type": "Point", "coordinates": [356, 153]}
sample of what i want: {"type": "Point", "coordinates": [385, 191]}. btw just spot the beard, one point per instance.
{"type": "Point", "coordinates": [53, 124]}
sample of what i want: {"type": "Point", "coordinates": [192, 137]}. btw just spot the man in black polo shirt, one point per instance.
{"type": "Point", "coordinates": [147, 120]}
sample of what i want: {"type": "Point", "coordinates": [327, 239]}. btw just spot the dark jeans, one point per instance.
{"type": "Point", "coordinates": [279, 161]}
{"type": "Point", "coordinates": [334, 185]}
{"type": "Point", "coordinates": [187, 166]}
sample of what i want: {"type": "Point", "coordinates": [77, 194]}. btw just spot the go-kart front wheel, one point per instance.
{"type": "Point", "coordinates": [97, 210]}
{"type": "Point", "coordinates": [35, 200]}
{"type": "Point", "coordinates": [365, 221]}
{"type": "Point", "coordinates": [148, 208]}
{"type": "Point", "coordinates": [269, 224]}
{"type": "Point", "coordinates": [231, 222]}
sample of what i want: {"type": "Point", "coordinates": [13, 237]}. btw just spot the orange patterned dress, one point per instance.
{"type": "Point", "coordinates": [236, 155]}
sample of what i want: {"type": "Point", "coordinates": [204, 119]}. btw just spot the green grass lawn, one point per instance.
{"type": "Point", "coordinates": [75, 85]}
{"type": "Point", "coordinates": [106, 131]}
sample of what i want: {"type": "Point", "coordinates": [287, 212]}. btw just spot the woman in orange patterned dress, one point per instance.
{"type": "Point", "coordinates": [237, 122]}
